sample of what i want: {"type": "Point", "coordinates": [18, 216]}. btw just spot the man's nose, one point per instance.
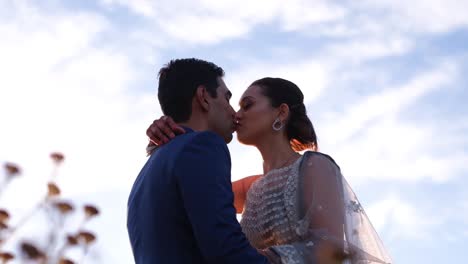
{"type": "Point", "coordinates": [231, 110]}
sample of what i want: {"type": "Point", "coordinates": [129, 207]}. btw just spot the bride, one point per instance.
{"type": "Point", "coordinates": [302, 208]}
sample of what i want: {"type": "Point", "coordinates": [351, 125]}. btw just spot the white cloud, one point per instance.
{"type": "Point", "coordinates": [143, 7]}
{"type": "Point", "coordinates": [311, 76]}
{"type": "Point", "coordinates": [210, 22]}
{"type": "Point", "coordinates": [209, 30]}
{"type": "Point", "coordinates": [433, 16]}
{"type": "Point", "coordinates": [203, 22]}
{"type": "Point", "coordinates": [358, 50]}
{"type": "Point", "coordinates": [65, 89]}
{"type": "Point", "coordinates": [388, 147]}
{"type": "Point", "coordinates": [401, 220]}
{"type": "Point", "coordinates": [300, 14]}
{"type": "Point", "coordinates": [395, 150]}
{"type": "Point", "coordinates": [246, 160]}
{"type": "Point", "coordinates": [428, 221]}
{"type": "Point", "coordinates": [61, 92]}
{"type": "Point", "coordinates": [64, 94]}
{"type": "Point", "coordinates": [392, 100]}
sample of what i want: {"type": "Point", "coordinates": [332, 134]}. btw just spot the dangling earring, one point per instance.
{"type": "Point", "coordinates": [277, 125]}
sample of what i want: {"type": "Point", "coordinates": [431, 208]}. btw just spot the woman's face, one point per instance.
{"type": "Point", "coordinates": [255, 116]}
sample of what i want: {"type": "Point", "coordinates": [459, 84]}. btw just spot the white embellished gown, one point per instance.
{"type": "Point", "coordinates": [299, 209]}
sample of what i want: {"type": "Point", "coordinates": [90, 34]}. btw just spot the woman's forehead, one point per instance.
{"type": "Point", "coordinates": [252, 91]}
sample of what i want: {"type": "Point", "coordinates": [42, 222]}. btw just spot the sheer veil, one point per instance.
{"type": "Point", "coordinates": [326, 214]}
{"type": "Point", "coordinates": [359, 232]}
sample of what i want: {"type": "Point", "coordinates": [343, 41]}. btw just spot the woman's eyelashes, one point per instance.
{"type": "Point", "coordinates": [246, 106]}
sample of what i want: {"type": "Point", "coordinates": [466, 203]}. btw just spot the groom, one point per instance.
{"type": "Point", "coordinates": [180, 209]}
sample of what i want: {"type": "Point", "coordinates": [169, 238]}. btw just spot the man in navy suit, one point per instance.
{"type": "Point", "coordinates": [180, 209]}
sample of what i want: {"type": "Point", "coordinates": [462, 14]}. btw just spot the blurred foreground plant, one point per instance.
{"type": "Point", "coordinates": [58, 211]}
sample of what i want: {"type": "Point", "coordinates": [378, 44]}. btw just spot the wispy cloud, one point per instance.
{"type": "Point", "coordinates": [309, 74]}
{"type": "Point", "coordinates": [65, 93]}
{"type": "Point", "coordinates": [376, 126]}
{"type": "Point", "coordinates": [435, 16]}
{"type": "Point", "coordinates": [211, 22]}
{"type": "Point", "coordinates": [401, 220]}
{"type": "Point", "coordinates": [392, 101]}
{"type": "Point", "coordinates": [82, 81]}
{"type": "Point", "coordinates": [360, 50]}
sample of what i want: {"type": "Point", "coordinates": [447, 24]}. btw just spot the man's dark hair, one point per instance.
{"type": "Point", "coordinates": [178, 82]}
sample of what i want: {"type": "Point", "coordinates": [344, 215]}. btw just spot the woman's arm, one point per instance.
{"type": "Point", "coordinates": [164, 129]}
{"type": "Point", "coordinates": [323, 201]}
{"type": "Point", "coordinates": [161, 131]}
{"type": "Point", "coordinates": [240, 189]}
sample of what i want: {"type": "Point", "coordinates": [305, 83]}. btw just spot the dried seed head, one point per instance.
{"type": "Point", "coordinates": [53, 190]}
{"type": "Point", "coordinates": [64, 207]}
{"type": "Point", "coordinates": [4, 215]}
{"type": "Point", "coordinates": [86, 237]}
{"type": "Point", "coordinates": [66, 261]}
{"type": "Point", "coordinates": [57, 157]}
{"type": "Point", "coordinates": [72, 240]}
{"type": "Point", "coordinates": [3, 226]}
{"type": "Point", "coordinates": [6, 256]}
{"type": "Point", "coordinates": [30, 251]}
{"type": "Point", "coordinates": [12, 169]}
{"type": "Point", "coordinates": [90, 211]}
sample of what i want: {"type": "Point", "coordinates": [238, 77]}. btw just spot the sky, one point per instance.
{"type": "Point", "coordinates": [385, 86]}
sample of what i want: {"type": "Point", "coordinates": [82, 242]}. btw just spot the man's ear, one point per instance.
{"type": "Point", "coordinates": [201, 96]}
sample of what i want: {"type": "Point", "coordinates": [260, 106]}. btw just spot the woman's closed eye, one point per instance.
{"type": "Point", "coordinates": [246, 106]}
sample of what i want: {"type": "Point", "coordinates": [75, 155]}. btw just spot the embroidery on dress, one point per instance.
{"type": "Point", "coordinates": [354, 206]}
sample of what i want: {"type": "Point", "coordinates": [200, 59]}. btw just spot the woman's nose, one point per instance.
{"type": "Point", "coordinates": [237, 115]}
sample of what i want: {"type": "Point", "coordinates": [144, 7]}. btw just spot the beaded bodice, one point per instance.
{"type": "Point", "coordinates": [281, 207]}
{"type": "Point", "coordinates": [269, 217]}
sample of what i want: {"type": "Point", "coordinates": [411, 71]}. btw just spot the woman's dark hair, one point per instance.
{"type": "Point", "coordinates": [178, 82]}
{"type": "Point", "coordinates": [299, 128]}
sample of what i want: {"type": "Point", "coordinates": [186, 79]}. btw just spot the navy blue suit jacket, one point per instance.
{"type": "Point", "coordinates": [180, 209]}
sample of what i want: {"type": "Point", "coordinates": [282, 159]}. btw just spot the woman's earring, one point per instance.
{"type": "Point", "coordinates": [277, 125]}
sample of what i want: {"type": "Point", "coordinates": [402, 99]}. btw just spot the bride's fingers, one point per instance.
{"type": "Point", "coordinates": [154, 142]}
{"type": "Point", "coordinates": [165, 127]}
{"type": "Point", "coordinates": [155, 133]}
{"type": "Point", "coordinates": [174, 127]}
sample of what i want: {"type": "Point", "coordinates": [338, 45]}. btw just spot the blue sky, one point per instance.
{"type": "Point", "coordinates": [385, 85]}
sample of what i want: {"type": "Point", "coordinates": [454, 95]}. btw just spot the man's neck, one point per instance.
{"type": "Point", "coordinates": [195, 124]}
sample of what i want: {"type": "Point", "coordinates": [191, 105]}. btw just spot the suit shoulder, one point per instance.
{"type": "Point", "coordinates": [205, 143]}
{"type": "Point", "coordinates": [206, 137]}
